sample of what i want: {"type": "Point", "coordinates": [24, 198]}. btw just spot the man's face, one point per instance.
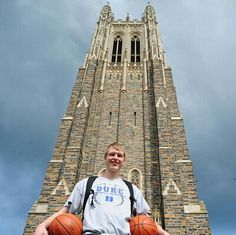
{"type": "Point", "coordinates": [114, 159]}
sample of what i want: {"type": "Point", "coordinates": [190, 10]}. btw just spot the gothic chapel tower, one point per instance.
{"type": "Point", "coordinates": [124, 92]}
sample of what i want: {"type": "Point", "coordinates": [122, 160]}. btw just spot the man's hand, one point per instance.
{"type": "Point", "coordinates": [161, 231]}
{"type": "Point", "coordinates": [41, 230]}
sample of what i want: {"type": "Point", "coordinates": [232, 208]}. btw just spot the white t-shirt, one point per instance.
{"type": "Point", "coordinates": [107, 210]}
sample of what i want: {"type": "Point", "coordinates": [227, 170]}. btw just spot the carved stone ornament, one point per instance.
{"type": "Point", "coordinates": [150, 13]}
{"type": "Point", "coordinates": [150, 16]}
{"type": "Point", "coordinates": [103, 16]}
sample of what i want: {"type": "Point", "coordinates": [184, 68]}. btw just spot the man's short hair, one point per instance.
{"type": "Point", "coordinates": [116, 146]}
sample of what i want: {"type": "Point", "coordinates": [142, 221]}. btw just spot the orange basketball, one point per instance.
{"type": "Point", "coordinates": [66, 224]}
{"type": "Point", "coordinates": [143, 225]}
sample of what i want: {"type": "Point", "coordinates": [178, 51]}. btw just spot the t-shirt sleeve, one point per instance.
{"type": "Point", "coordinates": [140, 205]}
{"type": "Point", "coordinates": [75, 201]}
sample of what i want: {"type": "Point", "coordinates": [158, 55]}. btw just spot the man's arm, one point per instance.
{"type": "Point", "coordinates": [42, 228]}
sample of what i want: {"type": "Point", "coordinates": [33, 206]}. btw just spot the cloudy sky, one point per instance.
{"type": "Point", "coordinates": [42, 44]}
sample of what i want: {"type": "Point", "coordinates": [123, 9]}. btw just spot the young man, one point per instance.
{"type": "Point", "coordinates": [107, 209]}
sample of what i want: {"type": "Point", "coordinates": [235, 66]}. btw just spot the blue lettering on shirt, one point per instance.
{"type": "Point", "coordinates": [109, 190]}
{"type": "Point", "coordinates": [99, 188]}
{"type": "Point", "coordinates": [109, 194]}
{"type": "Point", "coordinates": [109, 199]}
{"type": "Point", "coordinates": [106, 189]}
{"type": "Point", "coordinates": [113, 190]}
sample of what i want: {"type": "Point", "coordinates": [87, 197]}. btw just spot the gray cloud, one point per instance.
{"type": "Point", "coordinates": [42, 45]}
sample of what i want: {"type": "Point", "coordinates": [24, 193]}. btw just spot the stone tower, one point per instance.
{"type": "Point", "coordinates": [124, 92]}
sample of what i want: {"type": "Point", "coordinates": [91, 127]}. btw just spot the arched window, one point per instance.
{"type": "Point", "coordinates": [135, 49]}
{"type": "Point", "coordinates": [135, 178]}
{"type": "Point", "coordinates": [117, 50]}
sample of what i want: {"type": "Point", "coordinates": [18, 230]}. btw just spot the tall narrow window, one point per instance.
{"type": "Point", "coordinates": [117, 50]}
{"type": "Point", "coordinates": [110, 119]}
{"type": "Point", "coordinates": [135, 119]}
{"type": "Point", "coordinates": [135, 50]}
{"type": "Point", "coordinates": [132, 51]}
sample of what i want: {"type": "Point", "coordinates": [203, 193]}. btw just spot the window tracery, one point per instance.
{"type": "Point", "coordinates": [117, 50]}
{"type": "Point", "coordinates": [135, 49]}
{"type": "Point", "coordinates": [136, 178]}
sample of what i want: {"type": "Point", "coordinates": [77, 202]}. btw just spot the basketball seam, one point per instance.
{"type": "Point", "coordinates": [74, 221]}
{"type": "Point", "coordinates": [145, 230]}
{"type": "Point", "coordinates": [63, 226]}
{"type": "Point", "coordinates": [146, 223]}
{"type": "Point", "coordinates": [143, 225]}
